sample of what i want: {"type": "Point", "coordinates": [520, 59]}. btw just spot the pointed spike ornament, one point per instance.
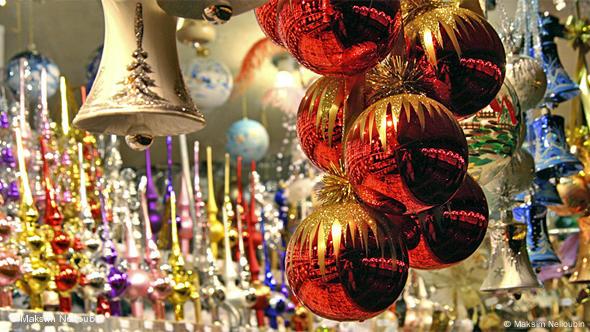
{"type": "Point", "coordinates": [152, 195]}
{"type": "Point", "coordinates": [215, 226]}
{"type": "Point", "coordinates": [182, 283]}
{"type": "Point", "coordinates": [160, 284]}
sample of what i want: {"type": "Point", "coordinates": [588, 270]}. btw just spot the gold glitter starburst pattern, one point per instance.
{"type": "Point", "coordinates": [335, 187]}
{"type": "Point", "coordinates": [327, 227]}
{"type": "Point", "coordinates": [376, 115]}
{"type": "Point", "coordinates": [426, 20]}
{"type": "Point", "coordinates": [395, 75]}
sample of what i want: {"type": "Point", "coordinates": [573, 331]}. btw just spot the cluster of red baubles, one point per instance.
{"type": "Point", "coordinates": [404, 153]}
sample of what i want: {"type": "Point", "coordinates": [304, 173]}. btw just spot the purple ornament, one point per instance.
{"type": "Point", "coordinates": [12, 194]}
{"type": "Point", "coordinates": [567, 253]}
{"type": "Point", "coordinates": [4, 121]}
{"type": "Point", "coordinates": [118, 281]}
{"type": "Point", "coordinates": [8, 157]}
{"type": "Point", "coordinates": [152, 196]}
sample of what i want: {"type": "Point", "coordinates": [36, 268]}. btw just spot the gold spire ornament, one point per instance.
{"type": "Point", "coordinates": [37, 273]}
{"type": "Point", "coordinates": [182, 283]}
{"type": "Point", "coordinates": [139, 91]}
{"type": "Point", "coordinates": [216, 230]}
{"type": "Point", "coordinates": [28, 213]}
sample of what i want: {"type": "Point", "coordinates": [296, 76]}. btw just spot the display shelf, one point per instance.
{"type": "Point", "coordinates": [47, 321]}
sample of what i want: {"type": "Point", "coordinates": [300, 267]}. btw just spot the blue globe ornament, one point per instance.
{"type": "Point", "coordinates": [209, 82]}
{"type": "Point", "coordinates": [247, 138]}
{"type": "Point", "coordinates": [92, 68]}
{"type": "Point", "coordinates": [34, 62]}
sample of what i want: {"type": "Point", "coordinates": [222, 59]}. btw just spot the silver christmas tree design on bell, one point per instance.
{"type": "Point", "coordinates": [139, 91]}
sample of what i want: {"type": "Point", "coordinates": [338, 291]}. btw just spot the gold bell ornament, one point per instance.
{"type": "Point", "coordinates": [139, 91]}
{"type": "Point", "coordinates": [510, 268]}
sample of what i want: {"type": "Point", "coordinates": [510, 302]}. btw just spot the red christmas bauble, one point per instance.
{"type": "Point", "coordinates": [267, 18]}
{"type": "Point", "coordinates": [405, 154]}
{"type": "Point", "coordinates": [343, 265]}
{"type": "Point", "coordinates": [320, 122]}
{"type": "Point", "coordinates": [67, 278]}
{"type": "Point", "coordinates": [339, 37]}
{"type": "Point", "coordinates": [462, 49]}
{"type": "Point", "coordinates": [61, 242]}
{"type": "Point", "coordinates": [452, 232]}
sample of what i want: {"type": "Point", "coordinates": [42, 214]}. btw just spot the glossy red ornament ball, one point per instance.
{"type": "Point", "coordinates": [452, 232]}
{"type": "Point", "coordinates": [405, 154]}
{"type": "Point", "coordinates": [61, 242]}
{"type": "Point", "coordinates": [267, 18]}
{"type": "Point", "coordinates": [67, 278]}
{"type": "Point", "coordinates": [343, 265]}
{"type": "Point", "coordinates": [463, 50]}
{"type": "Point", "coordinates": [339, 37]}
{"type": "Point", "coordinates": [320, 122]}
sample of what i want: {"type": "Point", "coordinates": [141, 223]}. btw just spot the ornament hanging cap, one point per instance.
{"type": "Point", "coordinates": [335, 187]}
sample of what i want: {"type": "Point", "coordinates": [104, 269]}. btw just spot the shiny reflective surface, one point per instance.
{"type": "Point", "coordinates": [464, 51]}
{"type": "Point", "coordinates": [67, 278]}
{"type": "Point", "coordinates": [509, 267]}
{"type": "Point", "coordinates": [344, 266]}
{"type": "Point", "coordinates": [560, 87]}
{"type": "Point", "coordinates": [320, 122]}
{"type": "Point", "coordinates": [266, 15]}
{"type": "Point", "coordinates": [551, 152]}
{"type": "Point", "coordinates": [452, 232]}
{"type": "Point", "coordinates": [539, 247]}
{"type": "Point", "coordinates": [405, 154]}
{"type": "Point", "coordinates": [493, 133]}
{"type": "Point", "coordinates": [528, 79]}
{"type": "Point", "coordinates": [338, 37]}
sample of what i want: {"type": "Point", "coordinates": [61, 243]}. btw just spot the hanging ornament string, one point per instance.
{"type": "Point", "coordinates": [526, 12]}
{"type": "Point", "coordinates": [245, 106]}
{"type": "Point", "coordinates": [31, 37]}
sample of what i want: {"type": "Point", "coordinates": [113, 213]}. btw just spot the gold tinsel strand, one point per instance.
{"type": "Point", "coordinates": [395, 75]}
{"type": "Point", "coordinates": [335, 187]}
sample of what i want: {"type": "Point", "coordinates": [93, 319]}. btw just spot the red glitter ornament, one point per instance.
{"type": "Point", "coordinates": [452, 232]}
{"type": "Point", "coordinates": [462, 49]}
{"type": "Point", "coordinates": [343, 265]}
{"type": "Point", "coordinates": [320, 122]}
{"type": "Point", "coordinates": [405, 154]}
{"type": "Point", "coordinates": [339, 37]}
{"type": "Point", "coordinates": [61, 242]}
{"type": "Point", "coordinates": [267, 18]}
{"type": "Point", "coordinates": [67, 278]}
